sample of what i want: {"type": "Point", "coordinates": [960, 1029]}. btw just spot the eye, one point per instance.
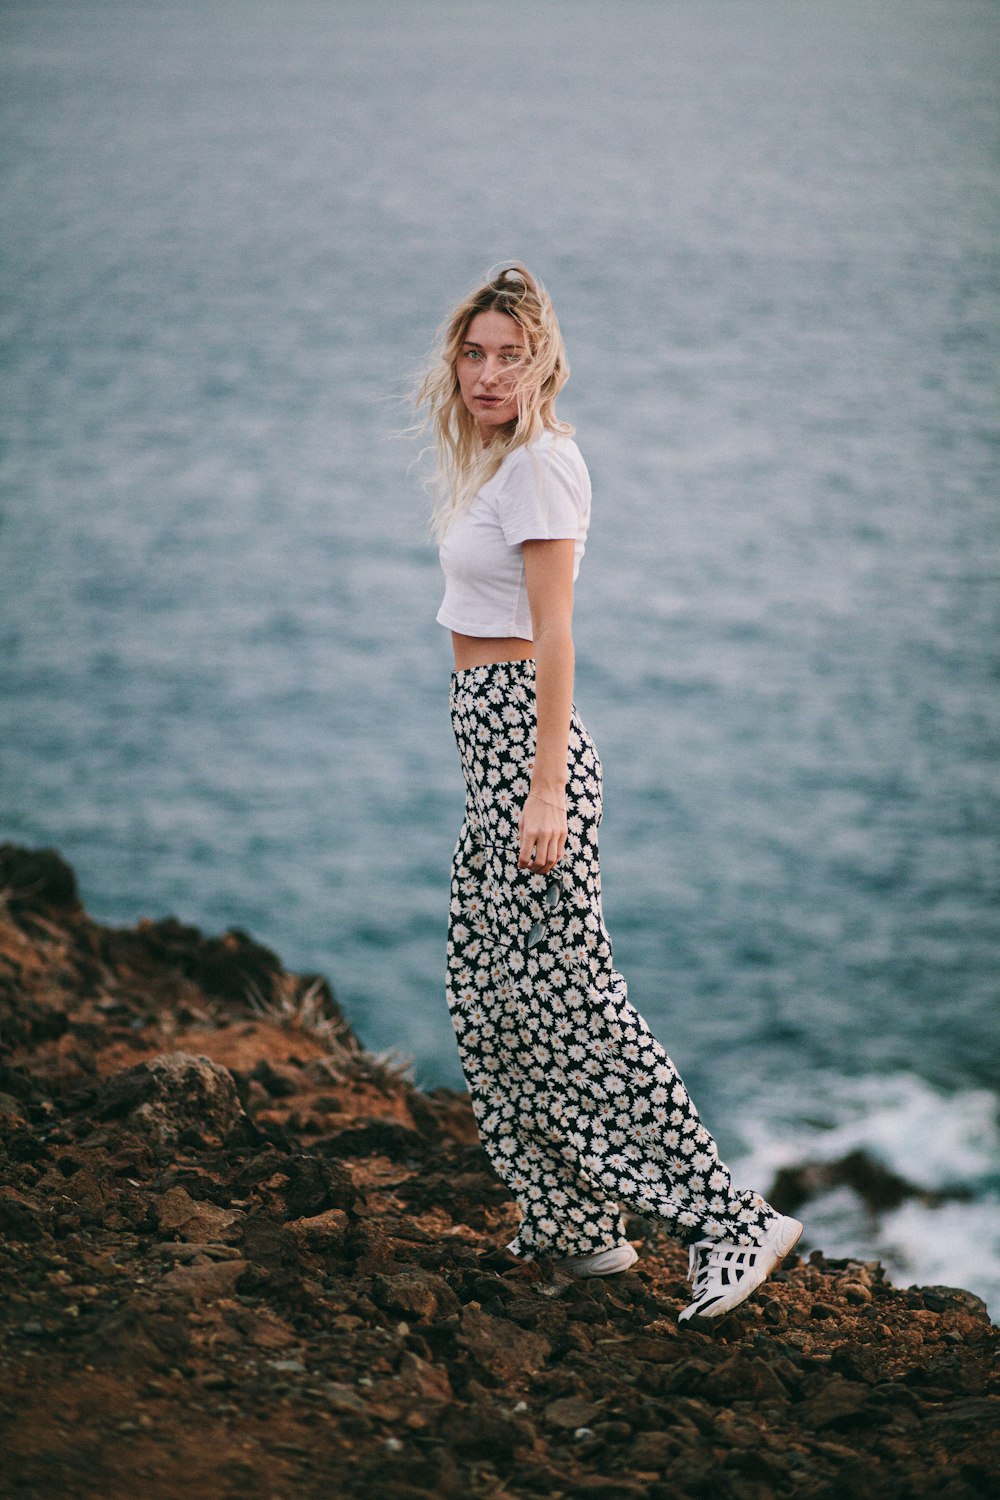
{"type": "Point", "coordinates": [513, 357]}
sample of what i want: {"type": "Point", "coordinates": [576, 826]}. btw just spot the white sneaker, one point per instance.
{"type": "Point", "coordinates": [601, 1263]}
{"type": "Point", "coordinates": [724, 1274]}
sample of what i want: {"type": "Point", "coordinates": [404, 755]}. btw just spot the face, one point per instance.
{"type": "Point", "coordinates": [494, 346]}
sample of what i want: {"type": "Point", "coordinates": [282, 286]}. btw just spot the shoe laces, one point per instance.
{"type": "Point", "coordinates": [695, 1253]}
{"type": "Point", "coordinates": [704, 1254]}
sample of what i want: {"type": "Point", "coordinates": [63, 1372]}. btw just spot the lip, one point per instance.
{"type": "Point", "coordinates": [490, 400]}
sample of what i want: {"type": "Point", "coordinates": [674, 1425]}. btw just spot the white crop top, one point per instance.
{"type": "Point", "coordinates": [540, 492]}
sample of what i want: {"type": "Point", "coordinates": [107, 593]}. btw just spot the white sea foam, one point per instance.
{"type": "Point", "coordinates": [933, 1138]}
{"type": "Point", "coordinates": [936, 1140]}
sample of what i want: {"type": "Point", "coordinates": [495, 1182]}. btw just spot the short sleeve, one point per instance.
{"type": "Point", "coordinates": [545, 496]}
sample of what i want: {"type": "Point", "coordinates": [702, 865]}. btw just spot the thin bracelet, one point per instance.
{"type": "Point", "coordinates": [560, 805]}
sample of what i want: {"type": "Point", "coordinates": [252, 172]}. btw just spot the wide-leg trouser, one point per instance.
{"type": "Point", "coordinates": [578, 1106]}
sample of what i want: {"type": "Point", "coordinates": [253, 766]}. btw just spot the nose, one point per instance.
{"type": "Point", "coordinates": [491, 370]}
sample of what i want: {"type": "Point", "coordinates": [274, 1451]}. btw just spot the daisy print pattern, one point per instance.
{"type": "Point", "coordinates": [578, 1106]}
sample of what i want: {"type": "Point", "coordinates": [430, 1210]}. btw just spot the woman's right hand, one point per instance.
{"type": "Point", "coordinates": [542, 831]}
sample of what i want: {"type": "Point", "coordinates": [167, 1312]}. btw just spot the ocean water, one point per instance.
{"type": "Point", "coordinates": [771, 233]}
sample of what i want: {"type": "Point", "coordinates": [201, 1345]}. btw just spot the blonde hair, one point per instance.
{"type": "Point", "coordinates": [463, 463]}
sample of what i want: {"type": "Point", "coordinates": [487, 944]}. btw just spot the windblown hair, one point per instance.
{"type": "Point", "coordinates": [463, 463]}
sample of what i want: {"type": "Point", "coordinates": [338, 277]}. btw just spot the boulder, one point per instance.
{"type": "Point", "coordinates": [171, 1094]}
{"type": "Point", "coordinates": [36, 879]}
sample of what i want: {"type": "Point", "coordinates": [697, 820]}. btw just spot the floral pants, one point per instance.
{"type": "Point", "coordinates": [578, 1106]}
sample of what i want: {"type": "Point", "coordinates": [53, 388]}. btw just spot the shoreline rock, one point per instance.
{"type": "Point", "coordinates": [241, 1255]}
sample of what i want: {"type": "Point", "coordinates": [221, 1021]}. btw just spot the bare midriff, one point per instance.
{"type": "Point", "coordinates": [483, 650]}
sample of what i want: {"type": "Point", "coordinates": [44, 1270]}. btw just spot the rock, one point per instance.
{"type": "Point", "coordinates": [314, 1185]}
{"type": "Point", "coordinates": [262, 1329]}
{"type": "Point", "coordinates": [609, 1487]}
{"type": "Point", "coordinates": [368, 1245]}
{"type": "Point", "coordinates": [506, 1351]}
{"type": "Point", "coordinates": [140, 1335]}
{"type": "Point", "coordinates": [415, 1294]}
{"type": "Point", "coordinates": [232, 967]}
{"type": "Point", "coordinates": [323, 1233]}
{"type": "Point", "coordinates": [343, 1398]}
{"type": "Point", "coordinates": [176, 1210]}
{"type": "Point", "coordinates": [12, 1111]}
{"type": "Point", "coordinates": [267, 1243]}
{"type": "Point", "coordinates": [203, 1283]}
{"type": "Point", "coordinates": [878, 1187]}
{"type": "Point", "coordinates": [484, 1432]}
{"type": "Point", "coordinates": [939, 1298]}
{"type": "Point", "coordinates": [303, 1184]}
{"type": "Point", "coordinates": [36, 880]}
{"type": "Point", "coordinates": [869, 1272]}
{"type": "Point", "coordinates": [687, 1376]}
{"type": "Point", "coordinates": [855, 1361]}
{"type": "Point", "coordinates": [21, 1218]}
{"type": "Point", "coordinates": [737, 1430]}
{"type": "Point", "coordinates": [742, 1379]}
{"type": "Point", "coordinates": [838, 1401]}
{"type": "Point", "coordinates": [171, 1094]}
{"type": "Point", "coordinates": [977, 1415]}
{"type": "Point", "coordinates": [571, 1412]}
{"type": "Point", "coordinates": [278, 1081]}
{"type": "Point", "coordinates": [653, 1350]}
{"type": "Point", "coordinates": [446, 1112]}
{"type": "Point", "coordinates": [199, 1250]}
{"type": "Point", "coordinates": [388, 1138]}
{"type": "Point", "coordinates": [421, 1378]}
{"type": "Point", "coordinates": [653, 1450]}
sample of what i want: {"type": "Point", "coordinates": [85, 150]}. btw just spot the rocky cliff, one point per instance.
{"type": "Point", "coordinates": [242, 1257]}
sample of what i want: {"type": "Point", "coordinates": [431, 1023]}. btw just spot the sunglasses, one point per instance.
{"type": "Point", "coordinates": [551, 900]}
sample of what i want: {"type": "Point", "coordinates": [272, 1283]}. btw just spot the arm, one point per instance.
{"type": "Point", "coordinates": [548, 576]}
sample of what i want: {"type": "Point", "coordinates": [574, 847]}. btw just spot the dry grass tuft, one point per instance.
{"type": "Point", "coordinates": [306, 1007]}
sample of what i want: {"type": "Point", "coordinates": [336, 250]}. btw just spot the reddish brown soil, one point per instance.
{"type": "Point", "coordinates": [241, 1257]}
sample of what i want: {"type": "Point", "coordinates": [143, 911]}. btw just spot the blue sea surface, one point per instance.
{"type": "Point", "coordinates": [770, 231]}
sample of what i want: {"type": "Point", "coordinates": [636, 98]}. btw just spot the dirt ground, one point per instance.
{"type": "Point", "coordinates": [242, 1257]}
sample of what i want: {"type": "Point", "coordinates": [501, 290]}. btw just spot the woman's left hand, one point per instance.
{"type": "Point", "coordinates": [542, 830]}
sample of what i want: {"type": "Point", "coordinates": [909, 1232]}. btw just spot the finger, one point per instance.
{"type": "Point", "coordinates": [544, 855]}
{"type": "Point", "coordinates": [552, 852]}
{"type": "Point", "coordinates": [536, 857]}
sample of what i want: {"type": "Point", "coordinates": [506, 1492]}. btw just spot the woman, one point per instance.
{"type": "Point", "coordinates": [578, 1106]}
